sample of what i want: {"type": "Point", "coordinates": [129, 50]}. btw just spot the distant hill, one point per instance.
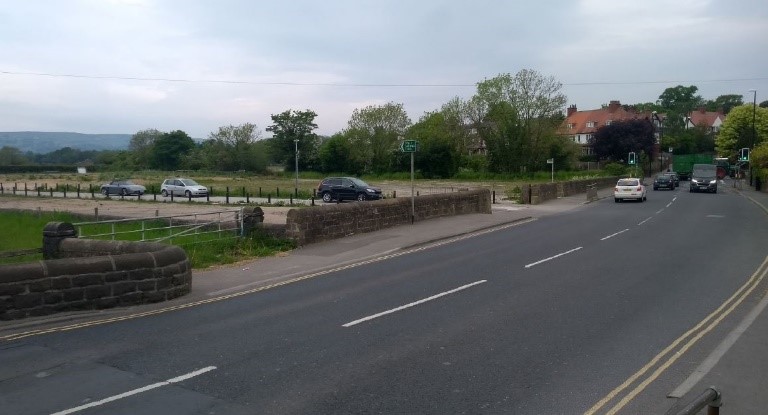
{"type": "Point", "coordinates": [46, 142]}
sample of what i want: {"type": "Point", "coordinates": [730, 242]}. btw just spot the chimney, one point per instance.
{"type": "Point", "coordinates": [613, 106]}
{"type": "Point", "coordinates": [571, 110]}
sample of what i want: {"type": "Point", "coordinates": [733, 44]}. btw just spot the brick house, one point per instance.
{"type": "Point", "coordinates": [712, 120]}
{"type": "Point", "coordinates": [580, 126]}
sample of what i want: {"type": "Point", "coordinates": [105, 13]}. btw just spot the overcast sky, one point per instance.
{"type": "Point", "coordinates": [120, 66]}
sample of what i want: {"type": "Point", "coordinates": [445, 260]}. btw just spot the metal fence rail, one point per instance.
{"type": "Point", "coordinates": [223, 223]}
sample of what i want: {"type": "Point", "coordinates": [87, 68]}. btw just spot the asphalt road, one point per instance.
{"type": "Point", "coordinates": [546, 317]}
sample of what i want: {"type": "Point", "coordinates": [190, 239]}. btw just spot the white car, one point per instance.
{"type": "Point", "coordinates": [629, 188]}
{"type": "Point", "coordinates": [182, 187]}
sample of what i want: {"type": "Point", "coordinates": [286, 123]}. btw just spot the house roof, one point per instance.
{"type": "Point", "coordinates": [587, 122]}
{"type": "Point", "coordinates": [706, 118]}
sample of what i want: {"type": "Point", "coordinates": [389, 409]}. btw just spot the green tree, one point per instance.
{"type": "Point", "coordinates": [505, 137]}
{"type": "Point", "coordinates": [12, 156]}
{"type": "Point", "coordinates": [677, 103]}
{"type": "Point", "coordinates": [169, 149]}
{"type": "Point", "coordinates": [141, 145]}
{"type": "Point", "coordinates": [373, 133]}
{"type": "Point", "coordinates": [234, 148]}
{"type": "Point", "coordinates": [438, 154]}
{"type": "Point", "coordinates": [335, 156]}
{"type": "Point", "coordinates": [725, 103]}
{"type": "Point", "coordinates": [535, 103]}
{"type": "Point", "coordinates": [736, 131]}
{"type": "Point", "coordinates": [292, 130]}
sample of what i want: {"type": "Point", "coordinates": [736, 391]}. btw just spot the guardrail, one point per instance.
{"type": "Point", "coordinates": [710, 398]}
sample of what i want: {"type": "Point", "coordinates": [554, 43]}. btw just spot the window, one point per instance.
{"type": "Point", "coordinates": [591, 124]}
{"type": "Point", "coordinates": [570, 126]}
{"type": "Point", "coordinates": [608, 122]}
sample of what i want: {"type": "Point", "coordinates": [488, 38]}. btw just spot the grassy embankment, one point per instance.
{"type": "Point", "coordinates": [24, 230]}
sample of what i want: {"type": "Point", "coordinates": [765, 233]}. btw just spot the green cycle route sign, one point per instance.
{"type": "Point", "coordinates": [408, 146]}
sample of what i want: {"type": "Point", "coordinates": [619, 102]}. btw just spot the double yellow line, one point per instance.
{"type": "Point", "coordinates": [662, 361]}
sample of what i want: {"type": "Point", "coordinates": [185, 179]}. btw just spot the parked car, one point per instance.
{"type": "Point", "coordinates": [346, 188]}
{"type": "Point", "coordinates": [182, 187]}
{"type": "Point", "coordinates": [629, 188]}
{"type": "Point", "coordinates": [664, 181]}
{"type": "Point", "coordinates": [122, 187]}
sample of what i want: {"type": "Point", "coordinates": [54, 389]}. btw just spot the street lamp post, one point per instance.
{"type": "Point", "coordinates": [659, 124]}
{"type": "Point", "coordinates": [296, 148]}
{"type": "Point", "coordinates": [754, 132]}
{"type": "Point", "coordinates": [754, 111]}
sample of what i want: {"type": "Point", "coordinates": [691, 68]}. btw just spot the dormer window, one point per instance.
{"type": "Point", "coordinates": [570, 126]}
{"type": "Point", "coordinates": [591, 124]}
{"type": "Point", "coordinates": [608, 122]}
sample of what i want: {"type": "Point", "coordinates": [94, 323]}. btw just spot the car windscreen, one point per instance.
{"type": "Point", "coordinates": [189, 182]}
{"type": "Point", "coordinates": [359, 183]}
{"type": "Point", "coordinates": [627, 183]}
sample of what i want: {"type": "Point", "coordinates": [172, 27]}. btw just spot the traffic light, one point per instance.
{"type": "Point", "coordinates": [632, 158]}
{"type": "Point", "coordinates": [744, 154]}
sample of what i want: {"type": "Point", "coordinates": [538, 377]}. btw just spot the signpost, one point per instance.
{"type": "Point", "coordinates": [552, 162]}
{"type": "Point", "coordinates": [410, 146]}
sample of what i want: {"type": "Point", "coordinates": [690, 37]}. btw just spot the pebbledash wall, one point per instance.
{"type": "Point", "coordinates": [534, 194]}
{"type": "Point", "coordinates": [321, 223]}
{"type": "Point", "coordinates": [92, 274]}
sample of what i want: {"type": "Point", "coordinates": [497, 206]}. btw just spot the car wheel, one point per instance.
{"type": "Point", "coordinates": [617, 200]}
{"type": "Point", "coordinates": [327, 197]}
{"type": "Point", "coordinates": [655, 188]}
{"type": "Point", "coordinates": [105, 192]}
{"type": "Point", "coordinates": [164, 193]}
{"type": "Point", "coordinates": [187, 194]}
{"type": "Point", "coordinates": [124, 192]}
{"type": "Point", "coordinates": [361, 197]}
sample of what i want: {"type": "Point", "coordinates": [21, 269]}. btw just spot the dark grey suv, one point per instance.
{"type": "Point", "coordinates": [346, 188]}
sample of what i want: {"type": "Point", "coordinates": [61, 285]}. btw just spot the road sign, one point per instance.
{"type": "Point", "coordinates": [550, 161]}
{"type": "Point", "coordinates": [408, 146]}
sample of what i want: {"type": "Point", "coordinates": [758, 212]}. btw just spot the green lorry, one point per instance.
{"type": "Point", "coordinates": [683, 163]}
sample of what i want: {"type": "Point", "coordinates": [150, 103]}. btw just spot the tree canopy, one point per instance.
{"type": "Point", "coordinates": [615, 141]}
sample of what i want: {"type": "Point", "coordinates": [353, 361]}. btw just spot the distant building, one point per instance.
{"type": "Point", "coordinates": [580, 126]}
{"type": "Point", "coordinates": [711, 120]}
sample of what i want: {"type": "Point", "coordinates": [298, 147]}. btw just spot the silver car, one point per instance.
{"type": "Point", "coordinates": [123, 188]}
{"type": "Point", "coordinates": [182, 187]}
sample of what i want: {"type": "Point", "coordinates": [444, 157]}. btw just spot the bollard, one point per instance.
{"type": "Point", "coordinates": [291, 199]}
{"type": "Point", "coordinates": [227, 196]}
{"type": "Point", "coordinates": [278, 192]}
{"type": "Point", "coordinates": [269, 199]}
{"type": "Point", "coordinates": [312, 201]}
{"type": "Point", "coordinates": [247, 198]}
{"type": "Point", "coordinates": [25, 189]}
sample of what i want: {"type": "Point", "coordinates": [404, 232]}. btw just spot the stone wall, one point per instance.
{"type": "Point", "coordinates": [535, 194]}
{"type": "Point", "coordinates": [91, 274]}
{"type": "Point", "coordinates": [333, 221]}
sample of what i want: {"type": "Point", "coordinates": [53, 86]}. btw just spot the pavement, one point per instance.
{"type": "Point", "coordinates": [738, 366]}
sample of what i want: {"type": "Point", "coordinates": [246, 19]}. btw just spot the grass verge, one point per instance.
{"type": "Point", "coordinates": [25, 231]}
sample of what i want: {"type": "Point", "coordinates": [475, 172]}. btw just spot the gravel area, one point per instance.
{"type": "Point", "coordinates": [128, 208]}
